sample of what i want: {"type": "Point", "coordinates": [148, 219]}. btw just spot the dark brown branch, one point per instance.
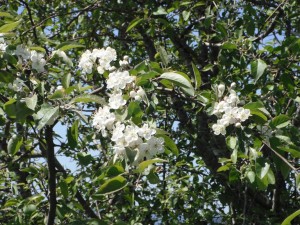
{"type": "Point", "coordinates": [31, 20]}
{"type": "Point", "coordinates": [51, 174]}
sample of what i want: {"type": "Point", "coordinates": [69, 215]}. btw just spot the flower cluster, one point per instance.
{"type": "Point", "coordinates": [227, 111]}
{"type": "Point", "coordinates": [100, 57]}
{"type": "Point", "coordinates": [124, 134]}
{"type": "Point", "coordinates": [3, 45]}
{"type": "Point", "coordinates": [37, 58]}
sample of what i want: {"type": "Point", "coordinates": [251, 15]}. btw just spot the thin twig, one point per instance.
{"type": "Point", "coordinates": [282, 158]}
{"type": "Point", "coordinates": [31, 20]}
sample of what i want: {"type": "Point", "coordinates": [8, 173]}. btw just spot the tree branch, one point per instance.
{"type": "Point", "coordinates": [51, 175]}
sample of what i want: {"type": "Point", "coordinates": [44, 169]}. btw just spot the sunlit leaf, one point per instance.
{"type": "Point", "coordinates": [143, 165]}
{"type": "Point", "coordinates": [112, 185]}
{"type": "Point", "coordinates": [179, 80]}
{"type": "Point", "coordinates": [9, 27]}
{"type": "Point", "coordinates": [14, 144]}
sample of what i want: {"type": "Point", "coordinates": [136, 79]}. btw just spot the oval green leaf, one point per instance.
{"type": "Point", "coordinates": [112, 185]}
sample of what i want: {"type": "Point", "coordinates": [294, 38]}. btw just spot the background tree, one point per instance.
{"type": "Point", "coordinates": [248, 176]}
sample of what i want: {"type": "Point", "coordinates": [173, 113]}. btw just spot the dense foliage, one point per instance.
{"type": "Point", "coordinates": [174, 112]}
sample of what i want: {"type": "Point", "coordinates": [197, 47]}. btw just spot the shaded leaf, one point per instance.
{"type": "Point", "coordinates": [6, 77]}
{"type": "Point", "coordinates": [197, 75]}
{"type": "Point", "coordinates": [280, 121]}
{"type": "Point", "coordinates": [133, 24]}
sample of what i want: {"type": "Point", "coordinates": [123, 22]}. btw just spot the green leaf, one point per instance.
{"type": "Point", "coordinates": [223, 168]}
{"type": "Point", "coordinates": [229, 46]}
{"type": "Point", "coordinates": [6, 77]}
{"type": "Point", "coordinates": [84, 158]}
{"type": "Point", "coordinates": [280, 121]}
{"type": "Point", "coordinates": [5, 14]}
{"type": "Point", "coordinates": [46, 115]}
{"type": "Point", "coordinates": [264, 170]}
{"type": "Point", "coordinates": [14, 144]}
{"type": "Point", "coordinates": [38, 48]}
{"type": "Point", "coordinates": [81, 115]}
{"type": "Point", "coordinates": [234, 156]}
{"type": "Point", "coordinates": [153, 178]}
{"type": "Point", "coordinates": [179, 80]}
{"type": "Point", "coordinates": [114, 170]}
{"type": "Point", "coordinates": [258, 116]}
{"type": "Point", "coordinates": [134, 110]}
{"type": "Point", "coordinates": [160, 11]}
{"type": "Point", "coordinates": [258, 68]}
{"type": "Point", "coordinates": [169, 144]}
{"type": "Point", "coordinates": [251, 176]}
{"type": "Point", "coordinates": [9, 27]}
{"type": "Point", "coordinates": [288, 220]}
{"type": "Point", "coordinates": [254, 105]}
{"type": "Point", "coordinates": [66, 80]}
{"type": "Point", "coordinates": [69, 45]}
{"type": "Point", "coordinates": [186, 15]}
{"type": "Point", "coordinates": [231, 142]}
{"type": "Point", "coordinates": [31, 102]}
{"type": "Point", "coordinates": [133, 24]}
{"type": "Point", "coordinates": [29, 209]}
{"type": "Point", "coordinates": [11, 202]}
{"type": "Point", "coordinates": [163, 55]}
{"type": "Point", "coordinates": [143, 165]}
{"type": "Point", "coordinates": [197, 75]}
{"type": "Point", "coordinates": [86, 98]}
{"type": "Point", "coordinates": [58, 94]}
{"type": "Point", "coordinates": [64, 188]}
{"type": "Point", "coordinates": [271, 177]}
{"type": "Point", "coordinates": [73, 134]}
{"type": "Point", "coordinates": [298, 181]}
{"type": "Point", "coordinates": [10, 108]}
{"type": "Point", "coordinates": [112, 185]}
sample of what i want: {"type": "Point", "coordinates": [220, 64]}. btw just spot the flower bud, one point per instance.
{"type": "Point", "coordinates": [233, 85]}
{"type": "Point", "coordinates": [238, 125]}
{"type": "Point", "coordinates": [221, 89]}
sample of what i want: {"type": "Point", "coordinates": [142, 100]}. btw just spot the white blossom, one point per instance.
{"type": "Point", "coordinates": [146, 132]}
{"type": "Point", "coordinates": [156, 145]}
{"type": "Point", "coordinates": [117, 133]}
{"type": "Point", "coordinates": [38, 61]}
{"type": "Point", "coordinates": [3, 45]}
{"type": "Point", "coordinates": [119, 79]}
{"type": "Point", "coordinates": [23, 52]}
{"type": "Point", "coordinates": [104, 57]}
{"type": "Point", "coordinates": [86, 62]}
{"type": "Point", "coordinates": [219, 129]}
{"type": "Point", "coordinates": [17, 85]}
{"type": "Point", "coordinates": [228, 112]}
{"type": "Point", "coordinates": [103, 119]}
{"type": "Point", "coordinates": [131, 134]}
{"type": "Point", "coordinates": [116, 100]}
